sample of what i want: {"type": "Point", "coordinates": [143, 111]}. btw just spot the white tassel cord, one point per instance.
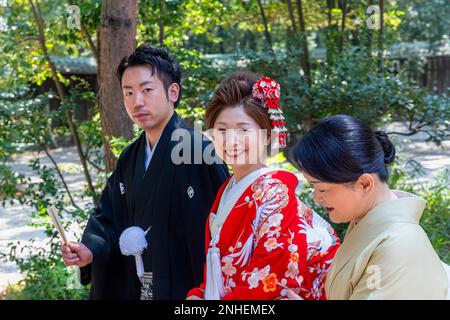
{"type": "Point", "coordinates": [214, 289]}
{"type": "Point", "coordinates": [132, 242]}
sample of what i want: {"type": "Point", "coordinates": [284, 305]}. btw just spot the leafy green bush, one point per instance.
{"type": "Point", "coordinates": [351, 84]}
{"type": "Point", "coordinates": [29, 122]}
{"type": "Point", "coordinates": [436, 217]}
{"type": "Point", "coordinates": [45, 276]}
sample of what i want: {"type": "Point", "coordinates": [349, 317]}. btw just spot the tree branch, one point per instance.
{"type": "Point", "coordinates": [60, 175]}
{"type": "Point", "coordinates": [292, 16]}
{"type": "Point", "coordinates": [85, 33]}
{"type": "Point", "coordinates": [266, 27]}
{"type": "Point", "coordinates": [344, 17]}
{"type": "Point", "coordinates": [305, 56]}
{"type": "Point", "coordinates": [72, 127]}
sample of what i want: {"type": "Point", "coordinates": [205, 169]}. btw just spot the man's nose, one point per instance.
{"type": "Point", "coordinates": [138, 100]}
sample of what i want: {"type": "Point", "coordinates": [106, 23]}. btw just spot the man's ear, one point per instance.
{"type": "Point", "coordinates": [366, 182]}
{"type": "Point", "coordinates": [173, 92]}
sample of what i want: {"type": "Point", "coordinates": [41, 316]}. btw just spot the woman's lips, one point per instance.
{"type": "Point", "coordinates": [234, 153]}
{"type": "Point", "coordinates": [329, 209]}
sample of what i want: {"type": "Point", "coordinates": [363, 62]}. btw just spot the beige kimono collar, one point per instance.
{"type": "Point", "coordinates": [408, 208]}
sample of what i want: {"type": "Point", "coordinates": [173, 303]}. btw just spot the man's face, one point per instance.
{"type": "Point", "coordinates": [147, 103]}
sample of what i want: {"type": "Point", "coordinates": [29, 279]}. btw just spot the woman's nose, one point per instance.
{"type": "Point", "coordinates": [231, 136]}
{"type": "Point", "coordinates": [316, 197]}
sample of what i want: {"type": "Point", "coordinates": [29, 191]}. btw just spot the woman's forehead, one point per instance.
{"type": "Point", "coordinates": [235, 116]}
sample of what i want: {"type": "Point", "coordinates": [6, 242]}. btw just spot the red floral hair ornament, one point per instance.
{"type": "Point", "coordinates": [268, 92]}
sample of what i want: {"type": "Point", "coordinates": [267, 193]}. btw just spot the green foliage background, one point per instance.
{"type": "Point", "coordinates": [211, 39]}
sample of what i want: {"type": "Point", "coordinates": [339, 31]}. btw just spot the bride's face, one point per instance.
{"type": "Point", "coordinates": [238, 139]}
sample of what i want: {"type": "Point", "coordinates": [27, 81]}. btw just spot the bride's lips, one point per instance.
{"type": "Point", "coordinates": [234, 153]}
{"type": "Point", "coordinates": [329, 209]}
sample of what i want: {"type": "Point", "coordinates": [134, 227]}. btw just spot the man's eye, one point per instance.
{"type": "Point", "coordinates": [222, 130]}
{"type": "Point", "coordinates": [147, 90]}
{"type": "Point", "coordinates": [128, 93]}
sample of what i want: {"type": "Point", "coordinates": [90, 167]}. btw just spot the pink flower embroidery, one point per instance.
{"type": "Point", "coordinates": [271, 244]}
{"type": "Point", "coordinates": [228, 269]}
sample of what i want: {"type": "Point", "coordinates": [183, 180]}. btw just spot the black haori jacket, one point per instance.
{"type": "Point", "coordinates": [174, 199]}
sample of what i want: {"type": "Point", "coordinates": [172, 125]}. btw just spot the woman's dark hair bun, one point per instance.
{"type": "Point", "coordinates": [388, 147]}
{"type": "Point", "coordinates": [340, 148]}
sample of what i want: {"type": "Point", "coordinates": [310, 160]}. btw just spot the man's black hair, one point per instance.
{"type": "Point", "coordinates": [160, 62]}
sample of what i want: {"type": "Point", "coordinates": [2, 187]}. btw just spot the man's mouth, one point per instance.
{"type": "Point", "coordinates": [140, 115]}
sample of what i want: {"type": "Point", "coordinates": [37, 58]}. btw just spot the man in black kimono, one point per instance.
{"type": "Point", "coordinates": [151, 190]}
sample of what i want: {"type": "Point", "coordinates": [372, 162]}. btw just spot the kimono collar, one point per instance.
{"type": "Point", "coordinates": [407, 208]}
{"type": "Point", "coordinates": [149, 151]}
{"type": "Point", "coordinates": [230, 195]}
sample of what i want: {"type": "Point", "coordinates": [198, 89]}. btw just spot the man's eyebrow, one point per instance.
{"type": "Point", "coordinates": [141, 84]}
{"type": "Point", "coordinates": [145, 82]}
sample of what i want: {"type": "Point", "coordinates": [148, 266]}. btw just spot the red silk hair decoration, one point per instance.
{"type": "Point", "coordinates": [268, 92]}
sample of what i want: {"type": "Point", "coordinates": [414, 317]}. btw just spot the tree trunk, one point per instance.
{"type": "Point", "coordinates": [341, 35]}
{"type": "Point", "coordinates": [266, 26]}
{"type": "Point", "coordinates": [292, 16]}
{"type": "Point", "coordinates": [117, 38]}
{"type": "Point", "coordinates": [305, 56]}
{"type": "Point", "coordinates": [161, 22]}
{"type": "Point", "coordinates": [381, 39]}
{"type": "Point", "coordinates": [329, 35]}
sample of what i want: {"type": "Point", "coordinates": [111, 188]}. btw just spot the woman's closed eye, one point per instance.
{"type": "Point", "coordinates": [319, 189]}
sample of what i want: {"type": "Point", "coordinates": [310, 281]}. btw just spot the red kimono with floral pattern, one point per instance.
{"type": "Point", "coordinates": [292, 246]}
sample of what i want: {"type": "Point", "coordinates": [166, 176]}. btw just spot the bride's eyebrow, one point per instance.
{"type": "Point", "coordinates": [239, 124]}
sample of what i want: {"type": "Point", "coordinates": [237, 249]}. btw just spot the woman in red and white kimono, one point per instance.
{"type": "Point", "coordinates": [260, 239]}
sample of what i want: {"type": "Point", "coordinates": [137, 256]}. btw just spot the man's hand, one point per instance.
{"type": "Point", "coordinates": [76, 254]}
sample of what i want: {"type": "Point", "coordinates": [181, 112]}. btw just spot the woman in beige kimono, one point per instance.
{"type": "Point", "coordinates": [385, 253]}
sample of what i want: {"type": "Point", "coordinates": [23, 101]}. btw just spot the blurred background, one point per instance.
{"type": "Point", "coordinates": [63, 124]}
